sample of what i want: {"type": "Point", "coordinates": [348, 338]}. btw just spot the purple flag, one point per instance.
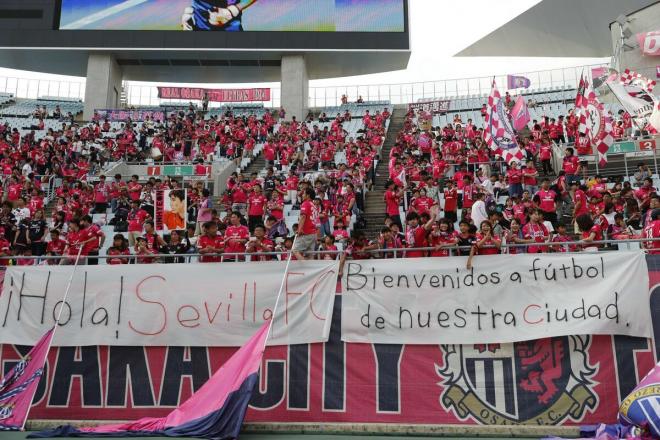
{"type": "Point", "coordinates": [215, 411]}
{"type": "Point", "coordinates": [17, 388]}
{"type": "Point", "coordinates": [517, 82]}
{"type": "Point", "coordinates": [520, 114]}
{"type": "Point", "coordinates": [642, 406]}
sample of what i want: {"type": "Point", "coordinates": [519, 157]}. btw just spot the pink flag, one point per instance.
{"type": "Point", "coordinates": [520, 114]}
{"type": "Point", "coordinates": [216, 410]}
{"type": "Point", "coordinates": [499, 134]}
{"type": "Point", "coordinates": [649, 43]}
{"type": "Point", "coordinates": [17, 388]}
{"type": "Point", "coordinates": [517, 82]}
{"type": "Point", "coordinates": [595, 127]}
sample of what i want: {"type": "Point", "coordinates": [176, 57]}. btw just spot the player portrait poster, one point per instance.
{"type": "Point", "coordinates": [171, 208]}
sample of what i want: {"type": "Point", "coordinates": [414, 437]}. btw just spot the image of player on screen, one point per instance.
{"type": "Point", "coordinates": [215, 15]}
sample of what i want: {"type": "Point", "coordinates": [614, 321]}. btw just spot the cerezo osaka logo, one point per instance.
{"type": "Point", "coordinates": [540, 382]}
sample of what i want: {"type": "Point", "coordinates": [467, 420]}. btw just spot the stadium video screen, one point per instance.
{"type": "Point", "coordinates": [234, 15]}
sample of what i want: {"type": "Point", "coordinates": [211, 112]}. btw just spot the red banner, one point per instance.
{"type": "Point", "coordinates": [214, 95]}
{"type": "Point", "coordinates": [556, 381]}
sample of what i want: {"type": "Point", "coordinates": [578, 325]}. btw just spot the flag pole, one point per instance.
{"type": "Point", "coordinates": [279, 293]}
{"type": "Point", "coordinates": [57, 321]}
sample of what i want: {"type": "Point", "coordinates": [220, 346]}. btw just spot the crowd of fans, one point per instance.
{"type": "Point", "coordinates": [248, 219]}
{"type": "Point", "coordinates": [504, 208]}
{"type": "Point", "coordinates": [447, 193]}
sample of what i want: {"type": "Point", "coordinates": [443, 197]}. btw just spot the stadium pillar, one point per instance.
{"type": "Point", "coordinates": [104, 82]}
{"type": "Point", "coordinates": [295, 86]}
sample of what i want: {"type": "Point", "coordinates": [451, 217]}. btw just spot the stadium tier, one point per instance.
{"type": "Point", "coordinates": [201, 239]}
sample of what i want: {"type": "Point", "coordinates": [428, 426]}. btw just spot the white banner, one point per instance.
{"type": "Point", "coordinates": [502, 299]}
{"type": "Point", "coordinates": [169, 304]}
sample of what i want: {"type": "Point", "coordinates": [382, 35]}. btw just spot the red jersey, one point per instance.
{"type": "Point", "coordinates": [468, 196]}
{"type": "Point", "coordinates": [439, 238]}
{"type": "Point", "coordinates": [581, 197]}
{"type": "Point", "coordinates": [73, 241]}
{"type": "Point", "coordinates": [136, 219]}
{"type": "Point", "coordinates": [101, 192]}
{"type": "Point", "coordinates": [547, 200]}
{"type": "Point", "coordinates": [545, 152]}
{"type": "Point", "coordinates": [538, 233]}
{"type": "Point", "coordinates": [514, 176]}
{"type": "Point", "coordinates": [256, 204]}
{"type": "Point", "coordinates": [422, 205]}
{"type": "Point", "coordinates": [451, 200]}
{"type": "Point", "coordinates": [94, 234]}
{"type": "Point", "coordinates": [652, 231]}
{"type": "Point", "coordinates": [309, 211]}
{"type": "Point", "coordinates": [416, 238]}
{"type": "Point", "coordinates": [570, 165]}
{"type": "Point", "coordinates": [392, 201]}
{"type": "Point", "coordinates": [14, 192]}
{"type": "Point", "coordinates": [596, 230]}
{"type": "Point", "coordinates": [205, 242]}
{"type": "Point", "coordinates": [134, 190]}
{"type": "Point", "coordinates": [239, 232]}
{"type": "Point", "coordinates": [488, 250]}
{"type": "Point", "coordinates": [5, 247]}
{"type": "Point", "coordinates": [56, 246]}
{"type": "Point", "coordinates": [118, 256]}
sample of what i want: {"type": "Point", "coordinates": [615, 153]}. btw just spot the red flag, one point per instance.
{"type": "Point", "coordinates": [520, 114]}
{"type": "Point", "coordinates": [17, 388]}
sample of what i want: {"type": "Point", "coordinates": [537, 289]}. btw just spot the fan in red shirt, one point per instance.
{"type": "Point", "coordinates": [307, 225]}
{"type": "Point", "coordinates": [580, 200]}
{"type": "Point", "coordinates": [416, 234]}
{"type": "Point", "coordinates": [514, 177]}
{"type": "Point", "coordinates": [571, 166]}
{"type": "Point", "coordinates": [119, 252]}
{"type": "Point", "coordinates": [590, 231]}
{"type": "Point", "coordinates": [5, 250]}
{"type": "Point", "coordinates": [536, 231]}
{"type": "Point", "coordinates": [260, 244]}
{"type": "Point", "coordinates": [236, 235]}
{"type": "Point", "coordinates": [210, 243]}
{"type": "Point", "coordinates": [91, 237]}
{"type": "Point", "coordinates": [547, 202]}
{"type": "Point", "coordinates": [652, 230]}
{"type": "Point", "coordinates": [56, 245]}
{"type": "Point", "coordinates": [451, 202]}
{"type": "Point", "coordinates": [486, 243]}
{"type": "Point", "coordinates": [136, 218]}
{"type": "Point", "coordinates": [73, 243]}
{"type": "Point", "coordinates": [421, 203]}
{"type": "Point", "coordinates": [256, 207]}
{"type": "Point", "coordinates": [134, 188]}
{"type": "Point", "coordinates": [392, 198]}
{"type": "Point", "coordinates": [101, 195]}
{"type": "Point", "coordinates": [442, 237]}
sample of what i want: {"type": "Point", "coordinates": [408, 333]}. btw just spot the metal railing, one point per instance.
{"type": "Point", "coordinates": [252, 257]}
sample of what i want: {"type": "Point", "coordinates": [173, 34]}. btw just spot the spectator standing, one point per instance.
{"type": "Point", "coordinates": [307, 230]}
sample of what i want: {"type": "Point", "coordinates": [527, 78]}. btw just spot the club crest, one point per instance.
{"type": "Point", "coordinates": [539, 382]}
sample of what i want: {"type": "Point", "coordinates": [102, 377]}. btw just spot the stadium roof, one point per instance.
{"type": "Point", "coordinates": [557, 28]}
